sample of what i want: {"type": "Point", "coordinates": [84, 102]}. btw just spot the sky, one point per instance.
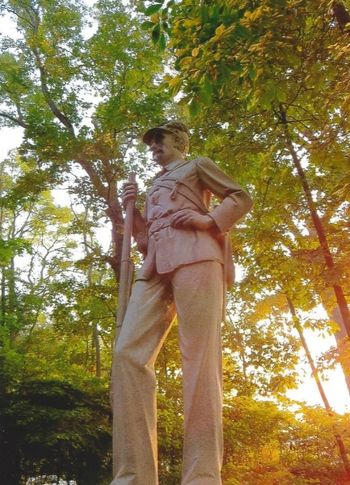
{"type": "Point", "coordinates": [337, 393]}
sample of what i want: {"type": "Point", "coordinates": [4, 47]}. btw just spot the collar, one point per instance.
{"type": "Point", "coordinates": [170, 166]}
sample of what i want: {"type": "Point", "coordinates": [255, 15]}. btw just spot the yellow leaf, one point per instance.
{"type": "Point", "coordinates": [195, 52]}
{"type": "Point", "coordinates": [155, 18]}
{"type": "Point", "coordinates": [255, 14]}
{"type": "Point", "coordinates": [186, 61]}
{"type": "Point", "coordinates": [175, 81]}
{"type": "Point", "coordinates": [191, 22]}
{"type": "Point", "coordinates": [175, 85]}
{"type": "Point", "coordinates": [219, 32]}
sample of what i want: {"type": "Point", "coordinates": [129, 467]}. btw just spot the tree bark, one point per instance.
{"type": "Point", "coordinates": [342, 340]}
{"type": "Point", "coordinates": [3, 281]}
{"type": "Point", "coordinates": [343, 343]}
{"type": "Point", "coordinates": [95, 333]}
{"type": "Point", "coordinates": [97, 351]}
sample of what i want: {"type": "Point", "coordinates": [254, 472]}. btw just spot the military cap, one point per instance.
{"type": "Point", "coordinates": [176, 128]}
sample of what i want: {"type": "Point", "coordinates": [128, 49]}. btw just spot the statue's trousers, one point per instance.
{"type": "Point", "coordinates": [195, 293]}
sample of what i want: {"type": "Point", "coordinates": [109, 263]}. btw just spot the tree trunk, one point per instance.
{"type": "Point", "coordinates": [95, 333]}
{"type": "Point", "coordinates": [97, 352]}
{"type": "Point", "coordinates": [3, 297]}
{"type": "Point", "coordinates": [338, 291]}
{"type": "Point", "coordinates": [315, 374]}
{"type": "Point", "coordinates": [343, 343]}
{"type": "Point", "coordinates": [3, 281]}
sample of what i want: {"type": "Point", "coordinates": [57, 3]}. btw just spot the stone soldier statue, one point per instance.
{"type": "Point", "coordinates": [183, 274]}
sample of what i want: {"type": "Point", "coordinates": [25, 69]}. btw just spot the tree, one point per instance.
{"type": "Point", "coordinates": [34, 246]}
{"type": "Point", "coordinates": [53, 428]}
{"type": "Point", "coordinates": [262, 82]}
{"type": "Point", "coordinates": [81, 100]}
{"type": "Point", "coordinates": [280, 72]}
{"type": "Point", "coordinates": [49, 401]}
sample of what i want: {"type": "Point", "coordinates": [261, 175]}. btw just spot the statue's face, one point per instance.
{"type": "Point", "coordinates": [163, 149]}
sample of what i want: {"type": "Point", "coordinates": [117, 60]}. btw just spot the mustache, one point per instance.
{"type": "Point", "coordinates": [157, 150]}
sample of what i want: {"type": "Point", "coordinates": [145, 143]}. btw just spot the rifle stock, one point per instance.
{"type": "Point", "coordinates": [126, 266]}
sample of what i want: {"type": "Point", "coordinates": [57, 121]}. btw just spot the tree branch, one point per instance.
{"type": "Point", "coordinates": [18, 121]}
{"type": "Point", "coordinates": [52, 105]}
{"type": "Point", "coordinates": [95, 178]}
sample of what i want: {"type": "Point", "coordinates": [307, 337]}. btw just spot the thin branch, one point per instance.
{"type": "Point", "coordinates": [12, 118]}
{"type": "Point", "coordinates": [24, 19]}
{"type": "Point", "coordinates": [94, 177]}
{"type": "Point", "coordinates": [52, 105]}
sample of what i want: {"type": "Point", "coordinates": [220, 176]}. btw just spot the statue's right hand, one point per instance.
{"type": "Point", "coordinates": [129, 193]}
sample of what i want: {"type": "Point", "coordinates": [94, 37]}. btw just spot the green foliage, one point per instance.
{"type": "Point", "coordinates": [83, 97]}
{"type": "Point", "coordinates": [50, 427]}
{"type": "Point", "coordinates": [8, 249]}
{"type": "Point", "coordinates": [55, 414]}
{"type": "Point", "coordinates": [260, 353]}
{"type": "Point", "coordinates": [260, 79]}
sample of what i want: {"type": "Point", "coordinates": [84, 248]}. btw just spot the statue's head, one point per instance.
{"type": "Point", "coordinates": [178, 130]}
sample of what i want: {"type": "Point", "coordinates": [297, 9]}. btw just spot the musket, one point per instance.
{"type": "Point", "coordinates": [125, 280]}
{"type": "Point", "coordinates": [126, 265]}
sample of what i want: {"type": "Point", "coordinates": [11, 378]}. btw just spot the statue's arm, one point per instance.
{"type": "Point", "coordinates": [235, 201]}
{"type": "Point", "coordinates": [140, 231]}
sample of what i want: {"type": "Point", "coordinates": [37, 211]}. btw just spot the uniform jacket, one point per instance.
{"type": "Point", "coordinates": [188, 185]}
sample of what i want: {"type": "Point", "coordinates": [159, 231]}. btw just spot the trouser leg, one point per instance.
{"type": "Point", "coordinates": [147, 321]}
{"type": "Point", "coordinates": [198, 293]}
